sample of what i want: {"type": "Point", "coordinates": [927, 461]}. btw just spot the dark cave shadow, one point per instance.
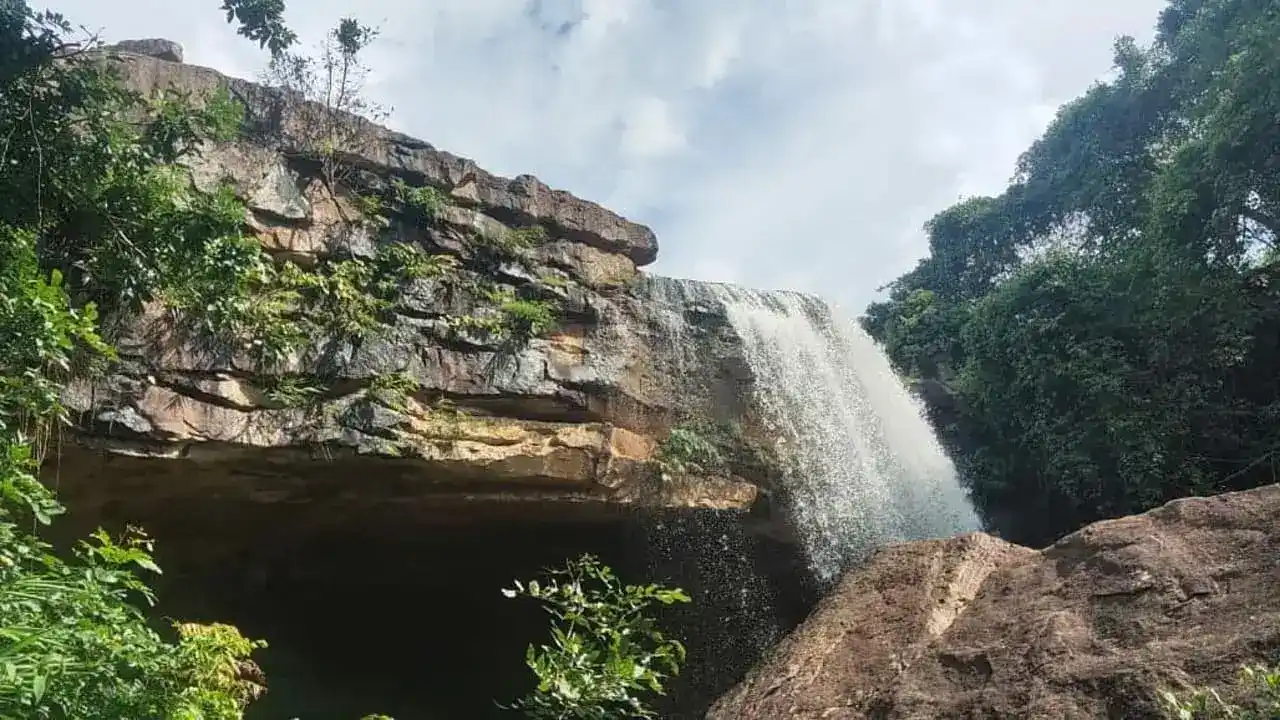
{"type": "Point", "coordinates": [411, 621]}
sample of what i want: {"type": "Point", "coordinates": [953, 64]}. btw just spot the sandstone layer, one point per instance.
{"type": "Point", "coordinates": [573, 417]}
{"type": "Point", "coordinates": [1091, 627]}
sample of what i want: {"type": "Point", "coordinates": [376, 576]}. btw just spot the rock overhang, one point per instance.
{"type": "Point", "coordinates": [574, 418]}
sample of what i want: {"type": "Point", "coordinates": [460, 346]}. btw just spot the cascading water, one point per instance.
{"type": "Point", "coordinates": [864, 468]}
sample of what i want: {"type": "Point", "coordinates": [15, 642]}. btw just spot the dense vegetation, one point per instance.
{"type": "Point", "coordinates": [98, 220]}
{"type": "Point", "coordinates": [1104, 335]}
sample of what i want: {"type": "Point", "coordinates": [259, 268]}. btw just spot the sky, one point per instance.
{"type": "Point", "coordinates": [797, 144]}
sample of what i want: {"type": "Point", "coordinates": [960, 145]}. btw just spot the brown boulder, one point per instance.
{"type": "Point", "coordinates": [1091, 627]}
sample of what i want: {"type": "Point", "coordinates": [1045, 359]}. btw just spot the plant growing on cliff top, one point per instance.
{"type": "Point", "coordinates": [606, 652]}
{"type": "Point", "coordinates": [338, 119]}
{"type": "Point", "coordinates": [1258, 690]}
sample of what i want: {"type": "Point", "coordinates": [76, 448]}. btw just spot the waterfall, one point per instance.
{"type": "Point", "coordinates": [863, 466]}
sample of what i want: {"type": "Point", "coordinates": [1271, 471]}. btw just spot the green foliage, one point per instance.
{"type": "Point", "coordinates": [1258, 694]}
{"type": "Point", "coordinates": [423, 203]}
{"type": "Point", "coordinates": [509, 245]}
{"type": "Point", "coordinates": [42, 334]}
{"type": "Point", "coordinates": [112, 213]}
{"type": "Point", "coordinates": [262, 21]}
{"type": "Point", "coordinates": [552, 280]}
{"type": "Point", "coordinates": [398, 263]}
{"type": "Point", "coordinates": [508, 320]}
{"type": "Point", "coordinates": [526, 237]}
{"type": "Point", "coordinates": [1106, 326]}
{"type": "Point", "coordinates": [523, 320]}
{"type": "Point", "coordinates": [273, 312]}
{"type": "Point", "coordinates": [335, 122]}
{"type": "Point", "coordinates": [73, 642]}
{"type": "Point", "coordinates": [173, 125]}
{"type": "Point", "coordinates": [691, 448]}
{"type": "Point", "coordinates": [393, 389]}
{"type": "Point", "coordinates": [93, 214]}
{"type": "Point", "coordinates": [370, 208]}
{"type": "Point", "coordinates": [486, 326]}
{"type": "Point", "coordinates": [292, 392]}
{"type": "Point", "coordinates": [606, 652]}
{"type": "Point", "coordinates": [213, 661]}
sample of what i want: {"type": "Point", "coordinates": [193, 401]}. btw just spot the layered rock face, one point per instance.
{"type": "Point", "coordinates": [572, 417]}
{"type": "Point", "coordinates": [1091, 627]}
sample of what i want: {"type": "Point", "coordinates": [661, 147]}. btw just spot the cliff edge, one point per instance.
{"type": "Point", "coordinates": [440, 407]}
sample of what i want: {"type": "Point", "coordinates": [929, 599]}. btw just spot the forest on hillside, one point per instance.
{"type": "Point", "coordinates": [1104, 336]}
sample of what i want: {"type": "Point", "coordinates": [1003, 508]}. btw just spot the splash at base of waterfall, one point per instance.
{"type": "Point", "coordinates": [863, 467]}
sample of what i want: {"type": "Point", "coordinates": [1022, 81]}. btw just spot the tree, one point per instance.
{"type": "Point", "coordinates": [337, 121]}
{"type": "Point", "coordinates": [1107, 323]}
{"type": "Point", "coordinates": [93, 219]}
{"type": "Point", "coordinates": [262, 21]}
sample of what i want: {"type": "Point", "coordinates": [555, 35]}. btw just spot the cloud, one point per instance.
{"type": "Point", "coordinates": [649, 132]}
{"type": "Point", "coordinates": [799, 144]}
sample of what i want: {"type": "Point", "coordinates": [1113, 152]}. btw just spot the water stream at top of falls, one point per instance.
{"type": "Point", "coordinates": [863, 467]}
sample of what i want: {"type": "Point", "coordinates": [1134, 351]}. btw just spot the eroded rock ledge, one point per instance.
{"type": "Point", "coordinates": [573, 417]}
{"type": "Point", "coordinates": [521, 200]}
{"type": "Point", "coordinates": [1090, 627]}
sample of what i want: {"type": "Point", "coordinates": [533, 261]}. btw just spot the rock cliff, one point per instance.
{"type": "Point", "coordinates": [428, 414]}
{"type": "Point", "coordinates": [512, 408]}
{"type": "Point", "coordinates": [1091, 627]}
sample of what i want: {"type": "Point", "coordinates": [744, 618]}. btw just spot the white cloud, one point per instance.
{"type": "Point", "coordinates": [649, 131]}
{"type": "Point", "coordinates": [798, 143]}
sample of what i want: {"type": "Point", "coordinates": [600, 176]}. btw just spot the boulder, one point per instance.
{"type": "Point", "coordinates": [158, 48]}
{"type": "Point", "coordinates": [1091, 627]}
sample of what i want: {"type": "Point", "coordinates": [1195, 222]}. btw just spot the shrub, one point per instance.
{"type": "Point", "coordinates": [91, 208]}
{"type": "Point", "coordinates": [423, 203]}
{"type": "Point", "coordinates": [524, 320]}
{"type": "Point", "coordinates": [606, 652]}
{"type": "Point", "coordinates": [690, 448]}
{"type": "Point", "coordinates": [394, 389]}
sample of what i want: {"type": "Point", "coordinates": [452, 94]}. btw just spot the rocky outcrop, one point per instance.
{"type": "Point", "coordinates": [1091, 627]}
{"type": "Point", "coordinates": [572, 416]}
{"type": "Point", "coordinates": [152, 47]}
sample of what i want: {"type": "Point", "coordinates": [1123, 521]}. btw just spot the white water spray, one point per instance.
{"type": "Point", "coordinates": [864, 467]}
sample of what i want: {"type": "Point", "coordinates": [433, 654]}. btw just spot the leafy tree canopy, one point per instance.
{"type": "Point", "coordinates": [1108, 324]}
